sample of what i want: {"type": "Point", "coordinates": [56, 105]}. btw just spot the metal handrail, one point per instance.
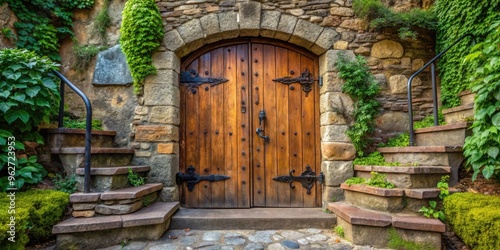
{"type": "Point", "coordinates": [88, 125]}
{"type": "Point", "coordinates": [434, 88]}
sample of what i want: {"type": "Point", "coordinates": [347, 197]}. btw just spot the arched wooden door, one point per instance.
{"type": "Point", "coordinates": [249, 121]}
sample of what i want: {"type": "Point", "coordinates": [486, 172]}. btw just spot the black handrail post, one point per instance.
{"type": "Point", "coordinates": [88, 126]}
{"type": "Point", "coordinates": [410, 109]}
{"type": "Point", "coordinates": [434, 94]}
{"type": "Point", "coordinates": [61, 106]}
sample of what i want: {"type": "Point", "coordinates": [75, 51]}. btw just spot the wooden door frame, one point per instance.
{"type": "Point", "coordinates": [196, 54]}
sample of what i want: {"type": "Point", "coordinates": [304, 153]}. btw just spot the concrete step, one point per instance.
{"type": "Point", "coordinates": [120, 201]}
{"type": "Point", "coordinates": [367, 227]}
{"type": "Point", "coordinates": [106, 179]}
{"type": "Point", "coordinates": [74, 157]}
{"type": "Point", "coordinates": [445, 135]}
{"type": "Point", "coordinates": [374, 198]}
{"type": "Point", "coordinates": [149, 223]}
{"type": "Point", "coordinates": [427, 156]}
{"type": "Point", "coordinates": [406, 176]}
{"type": "Point", "coordinates": [466, 97]}
{"type": "Point", "coordinates": [419, 197]}
{"type": "Point", "coordinates": [458, 114]}
{"type": "Point", "coordinates": [68, 137]}
{"type": "Point", "coordinates": [252, 219]}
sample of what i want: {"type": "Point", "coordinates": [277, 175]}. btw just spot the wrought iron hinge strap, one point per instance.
{"type": "Point", "coordinates": [192, 80]}
{"type": "Point", "coordinates": [307, 178]}
{"type": "Point", "coordinates": [305, 79]}
{"type": "Point", "coordinates": [192, 178]}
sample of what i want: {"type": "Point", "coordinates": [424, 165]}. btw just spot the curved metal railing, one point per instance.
{"type": "Point", "coordinates": [431, 63]}
{"type": "Point", "coordinates": [88, 125]}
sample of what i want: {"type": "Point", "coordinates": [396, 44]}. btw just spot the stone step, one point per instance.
{"type": "Point", "coordinates": [445, 135]}
{"type": "Point", "coordinates": [252, 219]}
{"type": "Point", "coordinates": [458, 114]}
{"type": "Point", "coordinates": [149, 223]}
{"type": "Point", "coordinates": [374, 198]}
{"type": "Point", "coordinates": [406, 176]}
{"type": "Point", "coordinates": [74, 157]}
{"type": "Point", "coordinates": [69, 137]}
{"type": "Point", "coordinates": [105, 179]}
{"type": "Point", "coordinates": [368, 227]}
{"type": "Point", "coordinates": [119, 201]}
{"type": "Point", "coordinates": [427, 156]}
{"type": "Point", "coordinates": [466, 97]}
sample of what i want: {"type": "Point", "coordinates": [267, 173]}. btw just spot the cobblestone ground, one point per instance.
{"type": "Point", "coordinates": [244, 239]}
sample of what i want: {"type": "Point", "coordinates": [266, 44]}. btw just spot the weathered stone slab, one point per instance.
{"type": "Point", "coordinates": [83, 213]}
{"type": "Point", "coordinates": [166, 60]}
{"type": "Point", "coordinates": [158, 133]}
{"type": "Point", "coordinates": [74, 225]}
{"type": "Point", "coordinates": [338, 151]}
{"type": "Point", "coordinates": [118, 209]}
{"type": "Point", "coordinates": [162, 94]}
{"type": "Point", "coordinates": [285, 27]}
{"type": "Point", "coordinates": [250, 13]}
{"type": "Point", "coordinates": [156, 213]}
{"type": "Point", "coordinates": [210, 25]}
{"type": "Point", "coordinates": [111, 68]}
{"type": "Point", "coordinates": [305, 33]}
{"type": "Point", "coordinates": [358, 216]}
{"type": "Point", "coordinates": [164, 168]}
{"type": "Point", "coordinates": [269, 23]}
{"type": "Point", "coordinates": [419, 223]}
{"type": "Point", "coordinates": [132, 192]}
{"type": "Point", "coordinates": [228, 23]}
{"type": "Point", "coordinates": [336, 172]}
{"type": "Point", "coordinates": [83, 206]}
{"type": "Point", "coordinates": [84, 197]}
{"type": "Point", "coordinates": [192, 34]}
{"type": "Point", "coordinates": [387, 49]}
{"type": "Point", "coordinates": [173, 42]}
{"type": "Point", "coordinates": [165, 114]}
{"type": "Point", "coordinates": [325, 41]}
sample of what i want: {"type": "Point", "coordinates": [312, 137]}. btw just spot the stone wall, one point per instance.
{"type": "Point", "coordinates": [150, 123]}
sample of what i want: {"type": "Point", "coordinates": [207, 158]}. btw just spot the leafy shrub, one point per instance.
{"type": "Point", "coordinates": [362, 87]}
{"type": "Point", "coordinates": [380, 16]}
{"type": "Point", "coordinates": [373, 159]}
{"type": "Point", "coordinates": [27, 171]}
{"type": "Point", "coordinates": [141, 34]}
{"type": "Point", "coordinates": [36, 212]}
{"type": "Point", "coordinates": [475, 218]}
{"type": "Point", "coordinates": [80, 124]}
{"type": "Point", "coordinates": [482, 147]}
{"type": "Point", "coordinates": [453, 24]}
{"type": "Point", "coordinates": [66, 185]}
{"type": "Point", "coordinates": [377, 180]}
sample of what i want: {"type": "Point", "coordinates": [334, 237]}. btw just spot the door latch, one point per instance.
{"type": "Point", "coordinates": [260, 131]}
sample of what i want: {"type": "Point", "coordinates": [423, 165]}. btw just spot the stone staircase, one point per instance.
{"type": "Point", "coordinates": [114, 210]}
{"type": "Point", "coordinates": [368, 213]}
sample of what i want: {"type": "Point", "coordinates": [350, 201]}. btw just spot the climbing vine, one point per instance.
{"type": "Point", "coordinates": [43, 23]}
{"type": "Point", "coordinates": [454, 23]}
{"type": "Point", "coordinates": [362, 87]}
{"type": "Point", "coordinates": [141, 34]}
{"type": "Point", "coordinates": [482, 147]}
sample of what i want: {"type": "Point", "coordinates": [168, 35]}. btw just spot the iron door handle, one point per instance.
{"type": "Point", "coordinates": [259, 133]}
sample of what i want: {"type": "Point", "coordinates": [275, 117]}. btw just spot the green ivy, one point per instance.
{"type": "Point", "coordinates": [141, 34]}
{"type": "Point", "coordinates": [379, 16]}
{"type": "Point", "coordinates": [377, 180]}
{"type": "Point", "coordinates": [482, 147]}
{"type": "Point", "coordinates": [43, 23]}
{"type": "Point", "coordinates": [457, 18]}
{"type": "Point", "coordinates": [362, 87]}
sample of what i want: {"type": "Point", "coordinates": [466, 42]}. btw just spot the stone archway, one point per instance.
{"type": "Point", "coordinates": [161, 99]}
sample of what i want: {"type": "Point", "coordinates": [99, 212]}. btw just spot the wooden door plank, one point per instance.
{"type": "Point", "coordinates": [217, 128]}
{"type": "Point", "coordinates": [309, 132]}
{"type": "Point", "coordinates": [295, 132]}
{"type": "Point", "coordinates": [317, 140]}
{"type": "Point", "coordinates": [241, 130]}
{"type": "Point", "coordinates": [269, 98]}
{"type": "Point", "coordinates": [204, 187]}
{"type": "Point", "coordinates": [282, 139]}
{"type": "Point", "coordinates": [192, 152]}
{"type": "Point", "coordinates": [259, 181]}
{"type": "Point", "coordinates": [231, 154]}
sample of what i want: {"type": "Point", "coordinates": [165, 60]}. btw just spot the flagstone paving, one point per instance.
{"type": "Point", "coordinates": [311, 238]}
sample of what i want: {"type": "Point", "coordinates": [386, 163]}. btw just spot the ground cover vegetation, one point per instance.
{"type": "Point", "coordinates": [377, 180]}
{"type": "Point", "coordinates": [361, 86]}
{"type": "Point", "coordinates": [141, 35]}
{"type": "Point", "coordinates": [36, 211]}
{"type": "Point", "coordinates": [406, 23]}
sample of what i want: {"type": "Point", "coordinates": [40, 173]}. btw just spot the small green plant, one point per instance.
{"type": "Point", "coordinates": [377, 180]}
{"type": "Point", "coordinates": [84, 54]}
{"type": "Point", "coordinates": [432, 210]}
{"type": "Point", "coordinates": [339, 230]}
{"type": "Point", "coordinates": [428, 121]}
{"type": "Point", "coordinates": [102, 22]}
{"type": "Point", "coordinates": [80, 124]}
{"type": "Point", "coordinates": [401, 140]}
{"type": "Point", "coordinates": [361, 86]}
{"type": "Point", "coordinates": [380, 17]}
{"type": "Point", "coordinates": [397, 242]}
{"type": "Point", "coordinates": [141, 34]}
{"type": "Point", "coordinates": [134, 179]}
{"type": "Point", "coordinates": [7, 33]}
{"type": "Point", "coordinates": [374, 159]}
{"type": "Point", "coordinates": [64, 184]}
{"type": "Point", "coordinates": [146, 201]}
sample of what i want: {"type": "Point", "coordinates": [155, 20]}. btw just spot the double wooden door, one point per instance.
{"type": "Point", "coordinates": [249, 118]}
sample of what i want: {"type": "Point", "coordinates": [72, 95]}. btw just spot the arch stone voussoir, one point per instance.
{"type": "Point", "coordinates": [192, 34]}
{"type": "Point", "coordinates": [269, 23]}
{"type": "Point", "coordinates": [250, 15]}
{"type": "Point", "coordinates": [305, 34]}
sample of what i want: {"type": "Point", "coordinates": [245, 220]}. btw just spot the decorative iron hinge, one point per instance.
{"type": "Point", "coordinates": [192, 178]}
{"type": "Point", "coordinates": [307, 178]}
{"type": "Point", "coordinates": [305, 80]}
{"type": "Point", "coordinates": [192, 80]}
